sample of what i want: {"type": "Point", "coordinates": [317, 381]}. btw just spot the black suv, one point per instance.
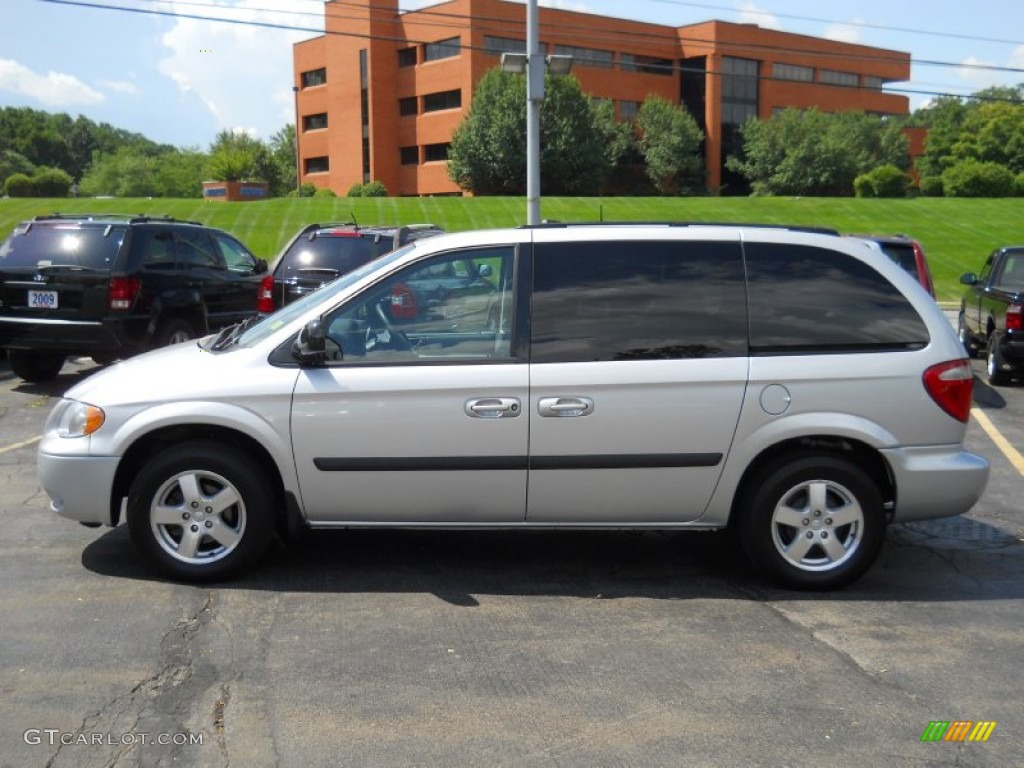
{"type": "Point", "coordinates": [109, 286]}
{"type": "Point", "coordinates": [321, 252]}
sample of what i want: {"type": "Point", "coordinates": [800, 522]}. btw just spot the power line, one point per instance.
{"type": "Point", "coordinates": [508, 23]}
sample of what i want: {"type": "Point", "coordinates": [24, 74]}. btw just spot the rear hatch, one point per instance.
{"type": "Point", "coordinates": [321, 257]}
{"type": "Point", "coordinates": [58, 271]}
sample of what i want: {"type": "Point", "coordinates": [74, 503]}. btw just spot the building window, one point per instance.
{"type": "Point", "coordinates": [317, 165]}
{"type": "Point", "coordinates": [628, 110]}
{"type": "Point", "coordinates": [739, 90]}
{"type": "Point", "coordinates": [407, 57]}
{"type": "Point", "coordinates": [586, 57]}
{"type": "Point", "coordinates": [407, 106]}
{"type": "Point", "coordinates": [442, 49]}
{"type": "Point", "coordinates": [434, 152]}
{"type": "Point", "coordinates": [793, 72]}
{"type": "Point", "coordinates": [314, 122]}
{"type": "Point", "coordinates": [434, 102]}
{"type": "Point", "coordinates": [409, 155]}
{"type": "Point", "coordinates": [874, 83]}
{"type": "Point", "coordinates": [650, 65]}
{"type": "Point", "coordinates": [499, 45]}
{"type": "Point", "coordinates": [832, 77]}
{"type": "Point", "coordinates": [314, 77]}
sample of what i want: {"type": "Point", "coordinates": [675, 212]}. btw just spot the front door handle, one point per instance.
{"type": "Point", "coordinates": [565, 406]}
{"type": "Point", "coordinates": [493, 407]}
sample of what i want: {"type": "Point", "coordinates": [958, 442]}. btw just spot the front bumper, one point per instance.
{"type": "Point", "coordinates": [79, 487]}
{"type": "Point", "coordinates": [940, 481]}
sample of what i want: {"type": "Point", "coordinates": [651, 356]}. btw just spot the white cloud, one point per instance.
{"type": "Point", "coordinates": [972, 72]}
{"type": "Point", "coordinates": [54, 89]}
{"type": "Point", "coordinates": [750, 13]}
{"type": "Point", "coordinates": [844, 33]}
{"type": "Point", "coordinates": [242, 72]}
{"type": "Point", "coordinates": [119, 86]}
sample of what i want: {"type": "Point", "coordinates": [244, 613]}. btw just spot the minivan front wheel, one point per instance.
{"type": "Point", "coordinates": [200, 511]}
{"type": "Point", "coordinates": [35, 367]}
{"type": "Point", "coordinates": [813, 522]}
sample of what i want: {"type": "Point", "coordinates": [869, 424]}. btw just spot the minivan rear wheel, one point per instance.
{"type": "Point", "coordinates": [35, 367]}
{"type": "Point", "coordinates": [813, 522]}
{"type": "Point", "coordinates": [200, 511]}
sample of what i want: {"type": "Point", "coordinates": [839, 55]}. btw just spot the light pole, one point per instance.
{"type": "Point", "coordinates": [534, 64]}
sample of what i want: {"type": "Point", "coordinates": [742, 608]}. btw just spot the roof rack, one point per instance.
{"type": "Point", "coordinates": [748, 225]}
{"type": "Point", "coordinates": [127, 217]}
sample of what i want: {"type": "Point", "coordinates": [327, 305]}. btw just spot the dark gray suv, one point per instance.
{"type": "Point", "coordinates": [110, 286]}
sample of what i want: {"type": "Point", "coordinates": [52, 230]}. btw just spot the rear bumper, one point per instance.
{"type": "Point", "coordinates": [83, 337]}
{"type": "Point", "coordinates": [940, 481]}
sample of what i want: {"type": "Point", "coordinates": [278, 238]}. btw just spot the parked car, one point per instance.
{"type": "Point", "coordinates": [794, 386]}
{"type": "Point", "coordinates": [110, 286]}
{"type": "Point", "coordinates": [909, 254]}
{"type": "Point", "coordinates": [319, 253]}
{"type": "Point", "coordinates": [991, 314]}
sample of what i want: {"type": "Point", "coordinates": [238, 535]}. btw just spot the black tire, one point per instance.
{"type": "Point", "coordinates": [965, 336]}
{"type": "Point", "coordinates": [35, 367]}
{"type": "Point", "coordinates": [201, 511]}
{"type": "Point", "coordinates": [812, 522]}
{"type": "Point", "coordinates": [994, 362]}
{"type": "Point", "coordinates": [174, 330]}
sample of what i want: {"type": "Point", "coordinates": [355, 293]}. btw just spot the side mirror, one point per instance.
{"type": "Point", "coordinates": [261, 267]}
{"type": "Point", "coordinates": [310, 348]}
{"type": "Point", "coordinates": [485, 270]}
{"type": "Point", "coordinates": [969, 279]}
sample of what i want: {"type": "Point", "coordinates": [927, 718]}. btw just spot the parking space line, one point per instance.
{"type": "Point", "coordinates": [22, 444]}
{"type": "Point", "coordinates": [1011, 453]}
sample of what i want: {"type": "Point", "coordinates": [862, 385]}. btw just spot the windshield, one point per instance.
{"type": "Point", "coordinates": [92, 247]}
{"type": "Point", "coordinates": [276, 321]}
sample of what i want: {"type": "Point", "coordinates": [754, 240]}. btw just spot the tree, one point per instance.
{"type": "Point", "coordinates": [670, 142]}
{"type": "Point", "coordinates": [282, 155]}
{"type": "Point", "coordinates": [487, 154]}
{"type": "Point", "coordinates": [238, 156]}
{"type": "Point", "coordinates": [12, 162]}
{"type": "Point", "coordinates": [808, 152]}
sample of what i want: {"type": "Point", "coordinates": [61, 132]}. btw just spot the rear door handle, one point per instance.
{"type": "Point", "coordinates": [563, 407]}
{"type": "Point", "coordinates": [493, 407]}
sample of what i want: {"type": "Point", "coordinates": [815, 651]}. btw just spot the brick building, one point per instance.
{"type": "Point", "coordinates": [378, 96]}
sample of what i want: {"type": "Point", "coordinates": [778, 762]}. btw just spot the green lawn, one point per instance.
{"type": "Point", "coordinates": [956, 233]}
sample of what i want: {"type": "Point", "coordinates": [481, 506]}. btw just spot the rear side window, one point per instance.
{"type": "Point", "coordinates": [903, 255]}
{"type": "Point", "coordinates": [812, 300]}
{"type": "Point", "coordinates": [94, 247]}
{"type": "Point", "coordinates": [637, 301]}
{"type": "Point", "coordinates": [333, 254]}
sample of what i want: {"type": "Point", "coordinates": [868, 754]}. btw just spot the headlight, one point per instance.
{"type": "Point", "coordinates": [79, 419]}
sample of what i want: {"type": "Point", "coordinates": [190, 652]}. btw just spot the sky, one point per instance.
{"type": "Point", "coordinates": [180, 80]}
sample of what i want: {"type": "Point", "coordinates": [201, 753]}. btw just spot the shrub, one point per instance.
{"type": "Point", "coordinates": [356, 190]}
{"type": "Point", "coordinates": [883, 181]}
{"type": "Point", "coordinates": [19, 185]}
{"type": "Point", "coordinates": [972, 178]}
{"type": "Point", "coordinates": [324, 192]}
{"type": "Point", "coordinates": [931, 186]}
{"type": "Point", "coordinates": [1018, 184]}
{"type": "Point", "coordinates": [307, 190]}
{"type": "Point", "coordinates": [375, 189]}
{"type": "Point", "coordinates": [51, 182]}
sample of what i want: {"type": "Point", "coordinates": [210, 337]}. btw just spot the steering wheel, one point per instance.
{"type": "Point", "coordinates": [401, 341]}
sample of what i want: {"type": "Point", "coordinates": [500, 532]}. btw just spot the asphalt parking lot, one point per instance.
{"type": "Point", "coordinates": [508, 649]}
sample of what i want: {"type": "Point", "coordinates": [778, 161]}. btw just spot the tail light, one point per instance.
{"type": "Point", "coordinates": [265, 298]}
{"type": "Point", "coordinates": [951, 385]}
{"type": "Point", "coordinates": [1013, 318]}
{"type": "Point", "coordinates": [922, 267]}
{"type": "Point", "coordinates": [403, 303]}
{"type": "Point", "coordinates": [121, 292]}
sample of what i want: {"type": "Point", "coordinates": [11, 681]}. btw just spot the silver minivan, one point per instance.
{"type": "Point", "coordinates": [794, 385]}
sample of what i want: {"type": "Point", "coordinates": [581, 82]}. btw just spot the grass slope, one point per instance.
{"type": "Point", "coordinates": [957, 234]}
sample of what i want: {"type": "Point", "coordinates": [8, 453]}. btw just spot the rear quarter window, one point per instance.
{"type": "Point", "coordinates": [602, 301]}
{"type": "Point", "coordinates": [805, 299]}
{"type": "Point", "coordinates": [39, 246]}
